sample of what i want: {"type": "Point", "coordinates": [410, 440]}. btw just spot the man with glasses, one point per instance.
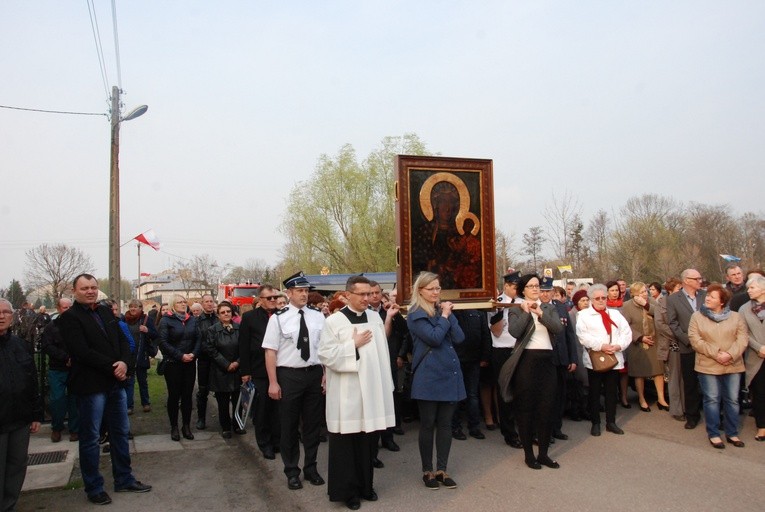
{"type": "Point", "coordinates": [265, 416]}
{"type": "Point", "coordinates": [20, 408]}
{"type": "Point", "coordinates": [296, 379]}
{"type": "Point", "coordinates": [680, 306]}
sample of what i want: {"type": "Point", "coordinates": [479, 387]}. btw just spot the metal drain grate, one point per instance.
{"type": "Point", "coordinates": [36, 459]}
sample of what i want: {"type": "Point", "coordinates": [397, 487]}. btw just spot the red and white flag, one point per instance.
{"type": "Point", "coordinates": [149, 237]}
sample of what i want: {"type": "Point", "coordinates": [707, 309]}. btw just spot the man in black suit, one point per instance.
{"type": "Point", "coordinates": [680, 306]}
{"type": "Point", "coordinates": [101, 364]}
{"type": "Point", "coordinates": [265, 416]}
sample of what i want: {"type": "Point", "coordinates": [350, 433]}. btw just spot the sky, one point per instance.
{"type": "Point", "coordinates": [602, 100]}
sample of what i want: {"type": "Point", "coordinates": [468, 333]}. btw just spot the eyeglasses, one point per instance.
{"type": "Point", "coordinates": [6, 312]}
{"type": "Point", "coordinates": [225, 312]}
{"type": "Point", "coordinates": [180, 302]}
{"type": "Point", "coordinates": [435, 289]}
{"type": "Point", "coordinates": [532, 286]}
{"type": "Point", "coordinates": [598, 298]}
{"type": "Point", "coordinates": [272, 297]}
{"type": "Point", "coordinates": [362, 294]}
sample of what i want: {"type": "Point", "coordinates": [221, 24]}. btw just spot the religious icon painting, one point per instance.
{"type": "Point", "coordinates": [445, 225]}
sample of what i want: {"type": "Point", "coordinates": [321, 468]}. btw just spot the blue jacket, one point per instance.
{"type": "Point", "coordinates": [437, 376]}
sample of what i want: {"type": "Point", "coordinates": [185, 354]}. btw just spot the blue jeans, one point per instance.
{"type": "Point", "coordinates": [62, 402]}
{"type": "Point", "coordinates": [471, 373]}
{"type": "Point", "coordinates": [716, 389]}
{"type": "Point", "coordinates": [111, 408]}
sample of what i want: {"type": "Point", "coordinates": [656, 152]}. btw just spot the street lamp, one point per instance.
{"type": "Point", "coordinates": [114, 192]}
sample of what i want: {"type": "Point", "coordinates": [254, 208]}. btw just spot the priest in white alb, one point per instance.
{"type": "Point", "coordinates": [354, 351]}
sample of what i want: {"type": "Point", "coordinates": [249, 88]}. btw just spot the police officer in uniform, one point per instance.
{"type": "Point", "coordinates": [296, 379]}
{"type": "Point", "coordinates": [502, 343]}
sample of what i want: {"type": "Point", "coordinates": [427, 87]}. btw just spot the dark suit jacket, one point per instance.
{"type": "Point", "coordinates": [564, 348]}
{"type": "Point", "coordinates": [251, 331]}
{"type": "Point", "coordinates": [679, 313]}
{"type": "Point", "coordinates": [93, 348]}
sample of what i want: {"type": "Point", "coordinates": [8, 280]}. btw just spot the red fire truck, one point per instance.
{"type": "Point", "coordinates": [238, 294]}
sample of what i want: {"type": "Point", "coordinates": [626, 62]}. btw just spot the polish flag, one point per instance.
{"type": "Point", "coordinates": [149, 238]}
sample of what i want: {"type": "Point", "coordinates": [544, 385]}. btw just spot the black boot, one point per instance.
{"type": "Point", "coordinates": [174, 434]}
{"type": "Point", "coordinates": [186, 431]}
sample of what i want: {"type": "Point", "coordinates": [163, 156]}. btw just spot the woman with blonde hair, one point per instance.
{"type": "Point", "coordinates": [437, 382]}
{"type": "Point", "coordinates": [643, 360]}
{"type": "Point", "coordinates": [180, 342]}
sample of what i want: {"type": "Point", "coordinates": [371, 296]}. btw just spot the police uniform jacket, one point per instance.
{"type": "Point", "coordinates": [282, 335]}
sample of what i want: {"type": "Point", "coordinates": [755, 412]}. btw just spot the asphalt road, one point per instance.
{"type": "Point", "coordinates": [657, 465]}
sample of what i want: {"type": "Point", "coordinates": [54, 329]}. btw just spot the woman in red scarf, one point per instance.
{"type": "Point", "coordinates": [602, 328]}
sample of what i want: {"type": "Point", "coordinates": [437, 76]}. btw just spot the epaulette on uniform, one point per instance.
{"type": "Point", "coordinates": [311, 306]}
{"type": "Point", "coordinates": [284, 309]}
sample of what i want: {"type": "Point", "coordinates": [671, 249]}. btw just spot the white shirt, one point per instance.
{"type": "Point", "coordinates": [282, 336]}
{"type": "Point", "coordinates": [540, 338]}
{"type": "Point", "coordinates": [504, 340]}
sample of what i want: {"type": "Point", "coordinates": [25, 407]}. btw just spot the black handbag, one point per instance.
{"type": "Point", "coordinates": [161, 367]}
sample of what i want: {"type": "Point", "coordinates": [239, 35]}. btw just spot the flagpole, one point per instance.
{"type": "Point", "coordinates": [138, 244]}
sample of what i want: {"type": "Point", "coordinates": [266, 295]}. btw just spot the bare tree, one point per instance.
{"type": "Point", "coordinates": [201, 272]}
{"type": "Point", "coordinates": [54, 267]}
{"type": "Point", "coordinates": [533, 241]}
{"type": "Point", "coordinates": [561, 215]}
{"type": "Point", "coordinates": [505, 255]}
{"type": "Point", "coordinates": [256, 271]}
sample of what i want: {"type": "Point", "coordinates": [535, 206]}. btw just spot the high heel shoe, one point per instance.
{"type": "Point", "coordinates": [645, 409]}
{"type": "Point", "coordinates": [174, 434]}
{"type": "Point", "coordinates": [626, 406]}
{"type": "Point", "coordinates": [662, 407]}
{"type": "Point", "coordinates": [719, 445]}
{"type": "Point", "coordinates": [759, 438]}
{"type": "Point", "coordinates": [186, 431]}
{"type": "Point", "coordinates": [738, 443]}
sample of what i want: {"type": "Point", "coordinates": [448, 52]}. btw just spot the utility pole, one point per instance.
{"type": "Point", "coordinates": [114, 201]}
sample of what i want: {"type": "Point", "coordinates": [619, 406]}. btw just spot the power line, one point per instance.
{"type": "Point", "coordinates": [99, 48]}
{"type": "Point", "coordinates": [54, 111]}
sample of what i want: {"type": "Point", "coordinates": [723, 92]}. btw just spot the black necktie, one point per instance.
{"type": "Point", "coordinates": [302, 344]}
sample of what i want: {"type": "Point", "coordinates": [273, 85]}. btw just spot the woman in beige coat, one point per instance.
{"type": "Point", "coordinates": [719, 337]}
{"type": "Point", "coordinates": [754, 316]}
{"type": "Point", "coordinates": [643, 360]}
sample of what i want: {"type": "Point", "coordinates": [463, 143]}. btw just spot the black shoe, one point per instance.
{"type": "Point", "coordinates": [372, 496]}
{"type": "Point", "coordinates": [239, 431]}
{"type": "Point", "coordinates": [514, 442]}
{"type": "Point", "coordinates": [201, 425]}
{"type": "Point", "coordinates": [268, 453]}
{"type": "Point", "coordinates": [377, 463]}
{"type": "Point", "coordinates": [226, 434]}
{"type": "Point", "coordinates": [294, 483]}
{"type": "Point", "coordinates": [691, 424]}
{"type": "Point", "coordinates": [611, 427]}
{"type": "Point", "coordinates": [186, 431]}
{"type": "Point", "coordinates": [547, 461]}
{"type": "Point", "coordinates": [430, 481]}
{"type": "Point", "coordinates": [391, 446]}
{"type": "Point", "coordinates": [315, 478]}
{"type": "Point", "coordinates": [174, 434]}
{"type": "Point", "coordinates": [678, 417]}
{"type": "Point", "coordinates": [662, 407]}
{"type": "Point", "coordinates": [595, 430]}
{"type": "Point", "coordinates": [445, 480]}
{"type": "Point", "coordinates": [477, 434]}
{"type": "Point", "coordinates": [533, 464]}
{"type": "Point", "coordinates": [100, 499]}
{"type": "Point", "coordinates": [130, 435]}
{"type": "Point", "coordinates": [135, 487]}
{"type": "Point", "coordinates": [645, 409]}
{"type": "Point", "coordinates": [626, 406]}
{"type": "Point", "coordinates": [560, 435]}
{"type": "Point", "coordinates": [458, 434]}
{"type": "Point", "coordinates": [491, 426]}
{"type": "Point", "coordinates": [322, 438]}
{"type": "Point", "coordinates": [353, 503]}
{"type": "Point", "coordinates": [719, 445]}
{"type": "Point", "coordinates": [398, 431]}
{"type": "Point", "coordinates": [738, 443]}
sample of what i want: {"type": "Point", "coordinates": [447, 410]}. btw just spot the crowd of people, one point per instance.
{"type": "Point", "coordinates": [351, 367]}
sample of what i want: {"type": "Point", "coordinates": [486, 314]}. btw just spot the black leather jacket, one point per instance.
{"type": "Point", "coordinates": [19, 397]}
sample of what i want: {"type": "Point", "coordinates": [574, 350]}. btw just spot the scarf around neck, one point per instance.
{"type": "Point", "coordinates": [758, 308]}
{"type": "Point", "coordinates": [607, 322]}
{"type": "Point", "coordinates": [715, 317]}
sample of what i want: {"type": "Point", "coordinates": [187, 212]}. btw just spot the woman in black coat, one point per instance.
{"type": "Point", "coordinates": [180, 343]}
{"type": "Point", "coordinates": [222, 347]}
{"type": "Point", "coordinates": [144, 333]}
